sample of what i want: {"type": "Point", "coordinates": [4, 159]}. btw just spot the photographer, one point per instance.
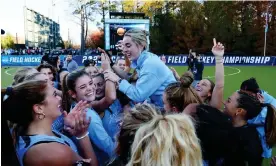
{"type": "Point", "coordinates": [191, 58]}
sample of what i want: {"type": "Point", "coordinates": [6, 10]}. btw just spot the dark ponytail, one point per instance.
{"type": "Point", "coordinates": [270, 125]}
{"type": "Point", "coordinates": [66, 99]}
{"type": "Point", "coordinates": [18, 106]}
{"type": "Point", "coordinates": [7, 141]}
{"type": "Point", "coordinates": [253, 108]}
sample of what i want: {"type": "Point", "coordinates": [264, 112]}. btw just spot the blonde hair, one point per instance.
{"type": "Point", "coordinates": [138, 36]}
{"type": "Point", "coordinates": [167, 140]}
{"type": "Point", "coordinates": [132, 121]}
{"type": "Point", "coordinates": [181, 94]}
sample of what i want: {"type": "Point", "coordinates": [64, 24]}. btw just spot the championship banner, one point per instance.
{"type": "Point", "coordinates": [171, 60]}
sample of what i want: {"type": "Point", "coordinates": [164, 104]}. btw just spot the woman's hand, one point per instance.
{"type": "Point", "coordinates": [175, 73]}
{"type": "Point", "coordinates": [110, 76]}
{"type": "Point", "coordinates": [81, 124]}
{"type": "Point", "coordinates": [70, 119]}
{"type": "Point", "coordinates": [105, 62]}
{"type": "Point", "coordinates": [218, 51]}
{"type": "Point", "coordinates": [260, 97]}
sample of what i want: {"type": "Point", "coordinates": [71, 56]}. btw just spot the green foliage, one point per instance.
{"type": "Point", "coordinates": [177, 26]}
{"type": "Point", "coordinates": [7, 41]}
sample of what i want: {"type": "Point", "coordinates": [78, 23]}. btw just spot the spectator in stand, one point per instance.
{"type": "Point", "coordinates": [69, 63]}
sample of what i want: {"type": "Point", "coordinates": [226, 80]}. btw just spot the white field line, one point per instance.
{"type": "Point", "coordinates": [7, 72]}
{"type": "Point", "coordinates": [238, 71]}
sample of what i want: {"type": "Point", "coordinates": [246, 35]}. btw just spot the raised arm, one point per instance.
{"type": "Point", "coordinates": [217, 95]}
{"type": "Point", "coordinates": [145, 86]}
{"type": "Point", "coordinates": [110, 89]}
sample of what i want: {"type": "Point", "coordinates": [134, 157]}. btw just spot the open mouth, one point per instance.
{"type": "Point", "coordinates": [199, 89]}
{"type": "Point", "coordinates": [89, 94]}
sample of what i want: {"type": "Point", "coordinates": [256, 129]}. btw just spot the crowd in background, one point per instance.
{"type": "Point", "coordinates": [42, 51]}
{"type": "Point", "coordinates": [135, 111]}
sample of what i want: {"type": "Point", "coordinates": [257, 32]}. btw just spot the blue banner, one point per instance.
{"type": "Point", "coordinates": [172, 60]}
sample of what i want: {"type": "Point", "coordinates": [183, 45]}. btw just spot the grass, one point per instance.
{"type": "Point", "coordinates": [265, 75]}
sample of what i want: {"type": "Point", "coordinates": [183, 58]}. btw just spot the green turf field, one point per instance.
{"type": "Point", "coordinates": [234, 75]}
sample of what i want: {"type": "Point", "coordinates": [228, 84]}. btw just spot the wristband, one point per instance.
{"type": "Point", "coordinates": [219, 60]}
{"type": "Point", "coordinates": [79, 138]}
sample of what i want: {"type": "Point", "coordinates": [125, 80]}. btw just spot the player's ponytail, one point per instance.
{"type": "Point", "coordinates": [270, 125]}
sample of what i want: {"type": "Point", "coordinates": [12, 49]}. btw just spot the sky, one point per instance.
{"type": "Point", "coordinates": [12, 16]}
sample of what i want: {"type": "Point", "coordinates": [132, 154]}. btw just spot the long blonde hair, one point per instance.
{"type": "Point", "coordinates": [167, 140]}
{"type": "Point", "coordinates": [132, 121]}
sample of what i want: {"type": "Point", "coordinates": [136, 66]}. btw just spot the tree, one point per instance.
{"type": "Point", "coordinates": [7, 41]}
{"type": "Point", "coordinates": [60, 42]}
{"type": "Point", "coordinates": [188, 27]}
{"type": "Point", "coordinates": [95, 39]}
{"type": "Point", "coordinates": [68, 44]}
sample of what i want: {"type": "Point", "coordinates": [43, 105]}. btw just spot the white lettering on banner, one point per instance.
{"type": "Point", "coordinates": [212, 59]}
{"type": "Point", "coordinates": [267, 59]}
{"type": "Point", "coordinates": [208, 59]}
{"type": "Point", "coordinates": [175, 59]}
{"type": "Point", "coordinates": [232, 59]}
{"type": "Point", "coordinates": [184, 60]}
{"type": "Point", "coordinates": [95, 58]}
{"type": "Point", "coordinates": [252, 59]}
{"type": "Point", "coordinates": [32, 59]}
{"type": "Point", "coordinates": [204, 59]}
{"type": "Point", "coordinates": [225, 59]}
{"type": "Point", "coordinates": [257, 60]}
{"type": "Point", "coordinates": [16, 59]}
{"type": "Point", "coordinates": [169, 59]}
{"type": "Point", "coordinates": [237, 59]}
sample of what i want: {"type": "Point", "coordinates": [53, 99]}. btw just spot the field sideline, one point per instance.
{"type": "Point", "coordinates": [234, 75]}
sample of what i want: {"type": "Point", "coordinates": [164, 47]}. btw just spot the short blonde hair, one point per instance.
{"type": "Point", "coordinates": [138, 36]}
{"type": "Point", "coordinates": [167, 140]}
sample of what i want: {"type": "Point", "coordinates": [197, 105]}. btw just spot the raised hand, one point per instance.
{"type": "Point", "coordinates": [218, 51]}
{"type": "Point", "coordinates": [81, 124]}
{"type": "Point", "coordinates": [176, 75]}
{"type": "Point", "coordinates": [105, 62]}
{"type": "Point", "coordinates": [260, 97]}
{"type": "Point", "coordinates": [69, 118]}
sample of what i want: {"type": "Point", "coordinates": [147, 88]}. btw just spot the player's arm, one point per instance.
{"type": "Point", "coordinates": [217, 95]}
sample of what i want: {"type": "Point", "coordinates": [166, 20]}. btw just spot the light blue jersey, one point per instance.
{"type": "Point", "coordinates": [103, 144]}
{"type": "Point", "coordinates": [153, 77]}
{"type": "Point", "coordinates": [112, 119]}
{"type": "Point", "coordinates": [260, 120]}
{"type": "Point", "coordinates": [26, 142]}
